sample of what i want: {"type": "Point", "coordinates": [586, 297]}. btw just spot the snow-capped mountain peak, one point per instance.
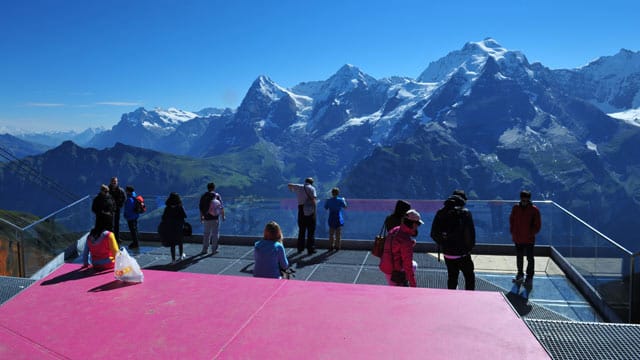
{"type": "Point", "coordinates": [348, 77]}
{"type": "Point", "coordinates": [614, 81]}
{"type": "Point", "coordinates": [175, 116]}
{"type": "Point", "coordinates": [267, 87]}
{"type": "Point", "coordinates": [487, 46]}
{"type": "Point", "coordinates": [471, 59]}
{"type": "Point", "coordinates": [158, 120]}
{"type": "Point", "coordinates": [622, 64]}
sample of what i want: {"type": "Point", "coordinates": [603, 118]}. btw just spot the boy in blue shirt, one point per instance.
{"type": "Point", "coordinates": [335, 205]}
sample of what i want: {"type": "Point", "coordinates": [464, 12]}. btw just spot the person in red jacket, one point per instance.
{"type": "Point", "coordinates": [524, 224]}
{"type": "Point", "coordinates": [398, 250]}
{"type": "Point", "coordinates": [102, 246]}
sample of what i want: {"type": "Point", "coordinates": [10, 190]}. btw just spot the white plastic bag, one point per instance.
{"type": "Point", "coordinates": [127, 268]}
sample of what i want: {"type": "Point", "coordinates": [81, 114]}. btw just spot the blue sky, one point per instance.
{"type": "Point", "coordinates": [77, 64]}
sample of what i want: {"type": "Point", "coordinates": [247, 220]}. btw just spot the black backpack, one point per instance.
{"type": "Point", "coordinates": [205, 202]}
{"type": "Point", "coordinates": [458, 228]}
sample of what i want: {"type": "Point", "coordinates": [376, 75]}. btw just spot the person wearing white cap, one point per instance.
{"type": "Point", "coordinates": [397, 260]}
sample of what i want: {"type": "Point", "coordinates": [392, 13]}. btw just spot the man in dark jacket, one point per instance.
{"type": "Point", "coordinates": [118, 195]}
{"type": "Point", "coordinates": [524, 224]}
{"type": "Point", "coordinates": [307, 203]}
{"type": "Point", "coordinates": [453, 230]}
{"type": "Point", "coordinates": [103, 207]}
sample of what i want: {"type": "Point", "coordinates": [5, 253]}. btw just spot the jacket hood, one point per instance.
{"type": "Point", "coordinates": [402, 207]}
{"type": "Point", "coordinates": [454, 201]}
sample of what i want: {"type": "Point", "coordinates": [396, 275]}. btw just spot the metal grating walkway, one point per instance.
{"type": "Point", "coordinates": [12, 286]}
{"type": "Point", "coordinates": [582, 341]}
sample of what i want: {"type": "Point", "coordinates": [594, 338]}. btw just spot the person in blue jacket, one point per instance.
{"type": "Point", "coordinates": [335, 204]}
{"type": "Point", "coordinates": [131, 215]}
{"type": "Point", "coordinates": [269, 254]}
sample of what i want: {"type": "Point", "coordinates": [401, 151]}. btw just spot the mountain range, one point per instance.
{"type": "Point", "coordinates": [482, 118]}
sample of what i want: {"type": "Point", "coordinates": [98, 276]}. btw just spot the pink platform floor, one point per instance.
{"type": "Point", "coordinates": [175, 315]}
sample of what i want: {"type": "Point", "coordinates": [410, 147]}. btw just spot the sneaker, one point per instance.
{"type": "Point", "coordinates": [528, 281]}
{"type": "Point", "coordinates": [518, 279]}
{"type": "Point", "coordinates": [183, 256]}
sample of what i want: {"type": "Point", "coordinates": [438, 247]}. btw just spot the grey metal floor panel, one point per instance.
{"type": "Point", "coordinates": [582, 341]}
{"type": "Point", "coordinates": [12, 286]}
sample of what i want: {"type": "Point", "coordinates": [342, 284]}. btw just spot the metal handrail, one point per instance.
{"type": "Point", "coordinates": [593, 229]}
{"type": "Point", "coordinates": [54, 213]}
{"type": "Point", "coordinates": [16, 227]}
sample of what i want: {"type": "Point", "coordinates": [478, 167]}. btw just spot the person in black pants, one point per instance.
{"type": "Point", "coordinates": [103, 206]}
{"type": "Point", "coordinates": [307, 206]}
{"type": "Point", "coordinates": [171, 227]}
{"type": "Point", "coordinates": [131, 216]}
{"type": "Point", "coordinates": [524, 224]}
{"type": "Point", "coordinates": [454, 231]}
{"type": "Point", "coordinates": [118, 195]}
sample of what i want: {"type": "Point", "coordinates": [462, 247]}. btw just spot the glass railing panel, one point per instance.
{"type": "Point", "coordinates": [44, 239]}
{"type": "Point", "coordinates": [602, 263]}
{"type": "Point", "coordinates": [612, 278]}
{"type": "Point", "coordinates": [47, 238]}
{"type": "Point", "coordinates": [247, 216]}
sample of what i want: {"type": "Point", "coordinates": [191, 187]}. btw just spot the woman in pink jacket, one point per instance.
{"type": "Point", "coordinates": [398, 250]}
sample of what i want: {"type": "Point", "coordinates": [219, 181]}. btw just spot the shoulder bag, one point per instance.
{"type": "Point", "coordinates": [378, 242]}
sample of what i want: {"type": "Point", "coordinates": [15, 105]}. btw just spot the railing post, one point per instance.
{"type": "Point", "coordinates": [634, 301]}
{"type": "Point", "coordinates": [21, 256]}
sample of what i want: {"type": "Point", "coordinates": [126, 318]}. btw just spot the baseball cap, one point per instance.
{"type": "Point", "coordinates": [413, 215]}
